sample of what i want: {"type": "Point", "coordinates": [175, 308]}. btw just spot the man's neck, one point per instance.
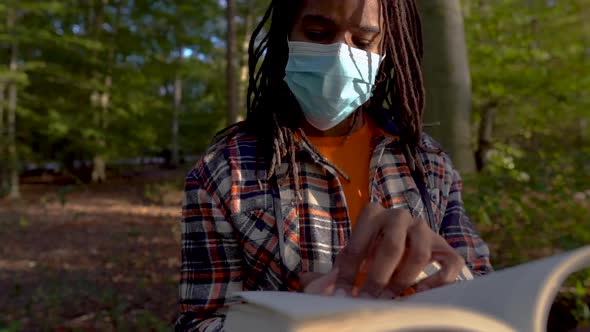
{"type": "Point", "coordinates": [351, 124]}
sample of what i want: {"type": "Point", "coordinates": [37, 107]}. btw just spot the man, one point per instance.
{"type": "Point", "coordinates": [329, 186]}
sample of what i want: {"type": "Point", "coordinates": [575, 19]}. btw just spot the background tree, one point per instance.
{"type": "Point", "coordinates": [11, 25]}
{"type": "Point", "coordinates": [447, 79]}
{"type": "Point", "coordinates": [231, 59]}
{"type": "Point", "coordinates": [4, 185]}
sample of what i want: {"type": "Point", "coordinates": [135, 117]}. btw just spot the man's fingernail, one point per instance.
{"type": "Point", "coordinates": [340, 292]}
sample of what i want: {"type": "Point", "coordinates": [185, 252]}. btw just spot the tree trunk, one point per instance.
{"type": "Point", "coordinates": [534, 28]}
{"type": "Point", "coordinates": [447, 79]}
{"type": "Point", "coordinates": [3, 175]}
{"type": "Point", "coordinates": [108, 80]}
{"type": "Point", "coordinates": [98, 101]}
{"type": "Point", "coordinates": [176, 113]}
{"type": "Point", "coordinates": [248, 24]}
{"type": "Point", "coordinates": [585, 54]}
{"type": "Point", "coordinates": [232, 110]}
{"type": "Point", "coordinates": [485, 137]}
{"type": "Point", "coordinates": [12, 102]}
{"type": "Point", "coordinates": [99, 163]}
{"type": "Point", "coordinates": [99, 174]}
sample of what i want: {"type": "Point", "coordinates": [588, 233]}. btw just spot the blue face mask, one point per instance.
{"type": "Point", "coordinates": [330, 81]}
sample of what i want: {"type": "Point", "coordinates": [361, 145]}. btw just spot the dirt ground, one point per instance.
{"type": "Point", "coordinates": [107, 259]}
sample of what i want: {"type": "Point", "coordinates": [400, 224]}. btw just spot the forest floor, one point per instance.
{"type": "Point", "coordinates": [99, 257]}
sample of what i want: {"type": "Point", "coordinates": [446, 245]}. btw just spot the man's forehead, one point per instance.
{"type": "Point", "coordinates": [359, 13]}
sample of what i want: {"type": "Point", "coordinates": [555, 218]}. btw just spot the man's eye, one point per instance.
{"type": "Point", "coordinates": [316, 35]}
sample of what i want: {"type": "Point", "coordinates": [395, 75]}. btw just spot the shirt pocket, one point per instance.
{"type": "Point", "coordinates": [256, 231]}
{"type": "Point", "coordinates": [255, 225]}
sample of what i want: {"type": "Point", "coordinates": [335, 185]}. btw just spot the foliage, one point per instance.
{"type": "Point", "coordinates": [531, 205]}
{"type": "Point", "coordinates": [529, 61]}
{"type": "Point", "coordinates": [513, 210]}
{"type": "Point", "coordinates": [70, 53]}
{"type": "Point", "coordinates": [538, 83]}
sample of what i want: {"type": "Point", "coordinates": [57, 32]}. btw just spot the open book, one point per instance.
{"type": "Point", "coordinates": [514, 299]}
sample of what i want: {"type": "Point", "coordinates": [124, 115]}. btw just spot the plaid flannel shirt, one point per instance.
{"type": "Point", "coordinates": [231, 221]}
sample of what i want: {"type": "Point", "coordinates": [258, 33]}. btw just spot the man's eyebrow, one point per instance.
{"type": "Point", "coordinates": [313, 18]}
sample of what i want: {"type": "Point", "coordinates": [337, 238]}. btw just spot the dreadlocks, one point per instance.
{"type": "Point", "coordinates": [273, 113]}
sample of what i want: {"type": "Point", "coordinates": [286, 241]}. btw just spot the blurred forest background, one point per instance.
{"type": "Point", "coordinates": [106, 104]}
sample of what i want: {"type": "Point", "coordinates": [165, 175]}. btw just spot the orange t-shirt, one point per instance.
{"type": "Point", "coordinates": [352, 156]}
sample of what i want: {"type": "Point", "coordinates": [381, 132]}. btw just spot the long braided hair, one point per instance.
{"type": "Point", "coordinates": [273, 113]}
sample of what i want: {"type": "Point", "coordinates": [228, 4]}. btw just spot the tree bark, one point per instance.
{"type": "Point", "coordinates": [12, 102]}
{"type": "Point", "coordinates": [485, 137]}
{"type": "Point", "coordinates": [447, 79]}
{"type": "Point", "coordinates": [98, 101]}
{"type": "Point", "coordinates": [2, 89]}
{"type": "Point", "coordinates": [248, 26]}
{"type": "Point", "coordinates": [585, 53]}
{"type": "Point", "coordinates": [232, 110]}
{"type": "Point", "coordinates": [3, 175]}
{"type": "Point", "coordinates": [99, 164]}
{"type": "Point", "coordinates": [176, 112]}
{"type": "Point", "coordinates": [108, 81]}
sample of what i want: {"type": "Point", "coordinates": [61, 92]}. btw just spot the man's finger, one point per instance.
{"type": "Point", "coordinates": [305, 278]}
{"type": "Point", "coordinates": [394, 225]}
{"type": "Point", "coordinates": [387, 257]}
{"type": "Point", "coordinates": [349, 260]}
{"type": "Point", "coordinates": [323, 284]}
{"type": "Point", "coordinates": [451, 265]}
{"type": "Point", "coordinates": [417, 256]}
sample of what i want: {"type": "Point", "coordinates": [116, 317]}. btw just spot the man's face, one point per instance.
{"type": "Point", "coordinates": [356, 23]}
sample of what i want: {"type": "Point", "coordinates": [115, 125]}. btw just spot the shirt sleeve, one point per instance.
{"type": "Point", "coordinates": [457, 229]}
{"type": "Point", "coordinates": [211, 267]}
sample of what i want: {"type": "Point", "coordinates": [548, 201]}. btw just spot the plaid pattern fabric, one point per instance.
{"type": "Point", "coordinates": [231, 221]}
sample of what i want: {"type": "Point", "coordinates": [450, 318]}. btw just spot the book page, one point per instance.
{"type": "Point", "coordinates": [521, 295]}
{"type": "Point", "coordinates": [306, 306]}
{"type": "Point", "coordinates": [287, 311]}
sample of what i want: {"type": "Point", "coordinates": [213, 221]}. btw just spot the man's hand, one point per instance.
{"type": "Point", "coordinates": [395, 247]}
{"type": "Point", "coordinates": [318, 283]}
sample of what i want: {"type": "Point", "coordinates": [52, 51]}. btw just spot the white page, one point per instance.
{"type": "Point", "coordinates": [521, 296]}
{"type": "Point", "coordinates": [347, 314]}
{"type": "Point", "coordinates": [306, 306]}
